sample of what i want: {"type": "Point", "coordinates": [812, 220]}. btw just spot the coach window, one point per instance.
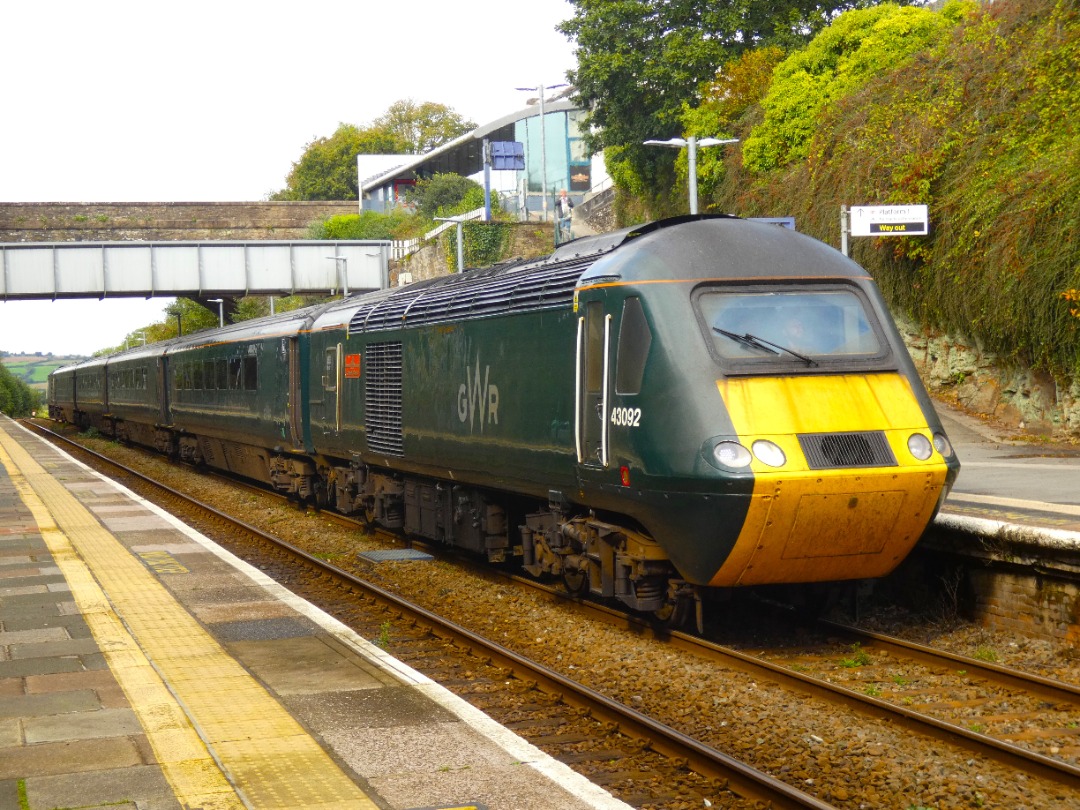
{"type": "Point", "coordinates": [209, 375]}
{"type": "Point", "coordinates": [221, 374]}
{"type": "Point", "coordinates": [251, 374]}
{"type": "Point", "coordinates": [236, 374]}
{"type": "Point", "coordinates": [635, 337]}
{"type": "Point", "coordinates": [196, 376]}
{"type": "Point", "coordinates": [329, 379]}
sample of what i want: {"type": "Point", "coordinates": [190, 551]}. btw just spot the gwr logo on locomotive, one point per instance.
{"type": "Point", "coordinates": [476, 399]}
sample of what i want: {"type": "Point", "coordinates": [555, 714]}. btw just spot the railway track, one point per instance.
{"type": "Point", "coordinates": [812, 675]}
{"type": "Point", "coordinates": [625, 735]}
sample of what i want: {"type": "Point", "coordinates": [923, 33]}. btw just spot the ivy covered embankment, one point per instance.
{"type": "Point", "coordinates": [973, 110]}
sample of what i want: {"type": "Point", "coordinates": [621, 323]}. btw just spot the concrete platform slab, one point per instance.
{"type": "Point", "coordinates": [252, 692]}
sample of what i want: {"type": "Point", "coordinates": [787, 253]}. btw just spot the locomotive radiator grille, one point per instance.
{"type": "Point", "coordinates": [382, 398]}
{"type": "Point", "coordinates": [830, 451]}
{"type": "Point", "coordinates": [477, 294]}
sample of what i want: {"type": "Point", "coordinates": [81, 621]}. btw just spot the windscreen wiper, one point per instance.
{"type": "Point", "coordinates": [766, 345]}
{"type": "Point", "coordinates": [752, 341]}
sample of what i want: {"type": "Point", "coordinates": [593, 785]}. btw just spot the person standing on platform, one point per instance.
{"type": "Point", "coordinates": [564, 210]}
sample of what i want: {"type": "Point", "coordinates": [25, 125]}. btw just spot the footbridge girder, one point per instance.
{"type": "Point", "coordinates": [52, 270]}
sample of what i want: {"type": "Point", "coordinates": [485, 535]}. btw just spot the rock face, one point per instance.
{"type": "Point", "coordinates": [975, 380]}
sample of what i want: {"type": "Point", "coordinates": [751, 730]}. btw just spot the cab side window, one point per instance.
{"type": "Point", "coordinates": [635, 338]}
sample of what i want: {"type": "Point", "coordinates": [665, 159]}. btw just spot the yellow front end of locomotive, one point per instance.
{"type": "Point", "coordinates": [816, 525]}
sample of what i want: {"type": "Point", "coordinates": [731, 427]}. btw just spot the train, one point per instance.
{"type": "Point", "coordinates": [690, 405]}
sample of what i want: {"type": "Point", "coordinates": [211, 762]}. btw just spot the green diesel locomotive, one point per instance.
{"type": "Point", "coordinates": [700, 402]}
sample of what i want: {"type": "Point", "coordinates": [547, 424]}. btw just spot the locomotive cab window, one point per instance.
{"type": "Point", "coordinates": [806, 326]}
{"type": "Point", "coordinates": [634, 341]}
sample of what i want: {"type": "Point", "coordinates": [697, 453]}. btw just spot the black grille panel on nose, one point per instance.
{"type": "Point", "coordinates": [830, 451]}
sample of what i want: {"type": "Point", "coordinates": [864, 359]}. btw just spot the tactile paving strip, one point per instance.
{"type": "Point", "coordinates": [222, 740]}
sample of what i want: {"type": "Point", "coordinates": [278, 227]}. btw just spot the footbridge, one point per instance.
{"type": "Point", "coordinates": [53, 270]}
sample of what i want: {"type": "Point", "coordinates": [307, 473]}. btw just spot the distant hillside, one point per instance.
{"type": "Point", "coordinates": [34, 369]}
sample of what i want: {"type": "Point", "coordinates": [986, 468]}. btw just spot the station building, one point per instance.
{"type": "Point", "coordinates": [554, 152]}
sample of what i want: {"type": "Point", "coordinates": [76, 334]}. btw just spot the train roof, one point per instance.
{"type": "Point", "coordinates": [720, 248]}
{"type": "Point", "coordinates": [689, 247]}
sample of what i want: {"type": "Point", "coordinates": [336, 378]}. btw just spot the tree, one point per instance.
{"type": "Point", "coordinates": [858, 46]}
{"type": "Point", "coordinates": [16, 397]}
{"type": "Point", "coordinates": [448, 194]}
{"type": "Point", "coordinates": [641, 62]}
{"type": "Point", "coordinates": [422, 127]}
{"type": "Point", "coordinates": [327, 169]}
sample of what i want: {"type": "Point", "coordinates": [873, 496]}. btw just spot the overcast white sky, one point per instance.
{"type": "Point", "coordinates": [123, 101]}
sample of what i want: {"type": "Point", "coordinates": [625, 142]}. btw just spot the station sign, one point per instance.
{"type": "Point", "coordinates": [508, 155]}
{"type": "Point", "coordinates": [889, 220]}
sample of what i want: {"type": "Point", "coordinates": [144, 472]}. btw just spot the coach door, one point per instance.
{"type": "Point", "coordinates": [331, 383]}
{"type": "Point", "coordinates": [164, 416]}
{"type": "Point", "coordinates": [593, 357]}
{"type": "Point", "coordinates": [296, 429]}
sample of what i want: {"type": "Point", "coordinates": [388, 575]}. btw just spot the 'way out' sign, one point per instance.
{"type": "Point", "coordinates": [889, 220]}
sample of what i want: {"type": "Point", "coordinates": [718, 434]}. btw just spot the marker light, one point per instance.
{"type": "Point", "coordinates": [624, 476]}
{"type": "Point", "coordinates": [732, 454]}
{"type": "Point", "coordinates": [942, 444]}
{"type": "Point", "coordinates": [769, 453]}
{"type": "Point", "coordinates": [920, 446]}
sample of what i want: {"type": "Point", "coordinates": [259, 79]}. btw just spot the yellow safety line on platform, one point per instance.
{"type": "Point", "coordinates": [209, 722]}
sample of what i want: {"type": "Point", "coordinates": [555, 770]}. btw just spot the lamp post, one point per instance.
{"type": "Point", "coordinates": [342, 271]}
{"type": "Point", "coordinates": [460, 246]}
{"type": "Point", "coordinates": [692, 143]}
{"type": "Point", "coordinates": [220, 308]}
{"type": "Point", "coordinates": [541, 89]}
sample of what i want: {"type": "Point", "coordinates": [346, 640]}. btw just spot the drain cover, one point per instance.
{"type": "Point", "coordinates": [393, 555]}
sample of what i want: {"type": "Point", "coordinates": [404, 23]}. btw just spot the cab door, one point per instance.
{"type": "Point", "coordinates": [331, 387]}
{"type": "Point", "coordinates": [592, 387]}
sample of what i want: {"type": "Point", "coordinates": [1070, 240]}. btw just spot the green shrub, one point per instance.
{"type": "Point", "coordinates": [858, 45]}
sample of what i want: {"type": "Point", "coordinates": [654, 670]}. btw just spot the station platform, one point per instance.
{"type": "Point", "coordinates": [141, 666]}
{"type": "Point", "coordinates": [1010, 480]}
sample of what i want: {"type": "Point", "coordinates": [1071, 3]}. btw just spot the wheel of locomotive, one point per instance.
{"type": "Point", "coordinates": [576, 581]}
{"type": "Point", "coordinates": [673, 613]}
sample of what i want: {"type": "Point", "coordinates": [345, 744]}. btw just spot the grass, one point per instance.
{"type": "Point", "coordinates": [859, 657]}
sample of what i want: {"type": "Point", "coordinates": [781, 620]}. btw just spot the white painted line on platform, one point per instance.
{"type": "Point", "coordinates": [1014, 503]}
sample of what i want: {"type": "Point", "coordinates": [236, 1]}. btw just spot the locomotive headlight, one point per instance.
{"type": "Point", "coordinates": [920, 446]}
{"type": "Point", "coordinates": [731, 454]}
{"type": "Point", "coordinates": [769, 453]}
{"type": "Point", "coordinates": [942, 444]}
